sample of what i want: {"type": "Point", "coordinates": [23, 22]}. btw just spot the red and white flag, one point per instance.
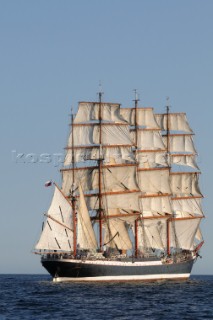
{"type": "Point", "coordinates": [48, 183]}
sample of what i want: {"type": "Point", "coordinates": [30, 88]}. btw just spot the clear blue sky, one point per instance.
{"type": "Point", "coordinates": [53, 54]}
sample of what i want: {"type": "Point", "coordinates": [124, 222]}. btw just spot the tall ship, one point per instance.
{"type": "Point", "coordinates": [129, 207]}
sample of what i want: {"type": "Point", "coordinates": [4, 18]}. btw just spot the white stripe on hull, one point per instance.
{"type": "Point", "coordinates": [113, 263]}
{"type": "Point", "coordinates": [126, 278]}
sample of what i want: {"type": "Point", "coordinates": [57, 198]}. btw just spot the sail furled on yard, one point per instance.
{"type": "Point", "coordinates": [57, 234]}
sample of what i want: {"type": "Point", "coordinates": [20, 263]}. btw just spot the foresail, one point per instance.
{"type": "Point", "coordinates": [57, 233]}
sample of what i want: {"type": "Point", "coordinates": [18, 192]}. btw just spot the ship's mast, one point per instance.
{"type": "Point", "coordinates": [167, 125]}
{"type": "Point", "coordinates": [100, 210]}
{"type": "Point", "coordinates": [136, 149]}
{"type": "Point", "coordinates": [168, 149]}
{"type": "Point", "coordinates": [136, 118]}
{"type": "Point", "coordinates": [73, 199]}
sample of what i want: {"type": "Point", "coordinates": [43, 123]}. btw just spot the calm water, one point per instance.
{"type": "Point", "coordinates": [37, 297]}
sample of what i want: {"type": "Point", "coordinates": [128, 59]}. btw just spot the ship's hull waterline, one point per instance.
{"type": "Point", "coordinates": [89, 270]}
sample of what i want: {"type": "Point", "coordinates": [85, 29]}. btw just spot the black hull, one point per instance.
{"type": "Point", "coordinates": [77, 270]}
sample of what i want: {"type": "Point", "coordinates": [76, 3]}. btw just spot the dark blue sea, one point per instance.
{"type": "Point", "coordinates": [37, 297]}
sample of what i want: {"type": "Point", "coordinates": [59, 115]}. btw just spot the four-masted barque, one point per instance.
{"type": "Point", "coordinates": [130, 206]}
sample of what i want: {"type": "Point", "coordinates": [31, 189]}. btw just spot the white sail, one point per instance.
{"type": "Point", "coordinates": [89, 111]}
{"type": "Point", "coordinates": [81, 154]}
{"type": "Point", "coordinates": [154, 181]}
{"type": "Point", "coordinates": [125, 200]}
{"type": "Point", "coordinates": [145, 117]}
{"type": "Point", "coordinates": [198, 235]}
{"type": "Point", "coordinates": [180, 143]}
{"type": "Point", "coordinates": [156, 206]}
{"type": "Point", "coordinates": [116, 235]}
{"type": "Point", "coordinates": [187, 207]}
{"type": "Point", "coordinates": [184, 160]}
{"type": "Point", "coordinates": [185, 184]}
{"type": "Point", "coordinates": [85, 234]}
{"type": "Point", "coordinates": [177, 122]}
{"type": "Point", "coordinates": [183, 233]}
{"type": "Point", "coordinates": [55, 235]}
{"type": "Point", "coordinates": [118, 154]}
{"type": "Point", "coordinates": [148, 140]}
{"type": "Point", "coordinates": [152, 159]}
{"type": "Point", "coordinates": [114, 178]}
{"type": "Point", "coordinates": [81, 176]}
{"type": "Point", "coordinates": [88, 135]}
{"type": "Point", "coordinates": [152, 234]}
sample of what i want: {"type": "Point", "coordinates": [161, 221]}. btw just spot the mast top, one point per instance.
{"type": "Point", "coordinates": [100, 92]}
{"type": "Point", "coordinates": [72, 111]}
{"type": "Point", "coordinates": [136, 96]}
{"type": "Point", "coordinates": [168, 104]}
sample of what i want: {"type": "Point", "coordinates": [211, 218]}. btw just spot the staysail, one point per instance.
{"type": "Point", "coordinates": [85, 234]}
